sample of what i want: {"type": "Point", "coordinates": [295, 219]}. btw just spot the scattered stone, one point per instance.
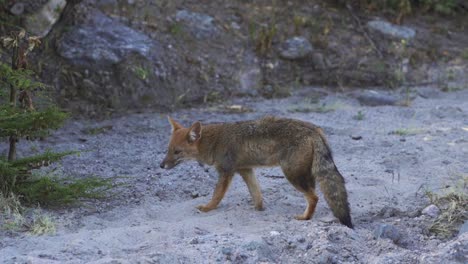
{"type": "Point", "coordinates": [448, 111]}
{"type": "Point", "coordinates": [41, 22]}
{"type": "Point", "coordinates": [356, 137]}
{"type": "Point", "coordinates": [194, 241]}
{"type": "Point", "coordinates": [375, 98]}
{"type": "Point", "coordinates": [318, 60]}
{"type": "Point", "coordinates": [291, 243]}
{"type": "Point", "coordinates": [432, 211]}
{"type": "Point", "coordinates": [261, 247]}
{"type": "Point", "coordinates": [237, 109]}
{"type": "Point", "coordinates": [453, 86]}
{"type": "Point", "coordinates": [226, 251]}
{"type": "Point", "coordinates": [195, 194]}
{"type": "Point", "coordinates": [300, 239]}
{"type": "Point", "coordinates": [274, 233]}
{"type": "Point", "coordinates": [463, 228]}
{"type": "Point", "coordinates": [200, 25]}
{"type": "Point", "coordinates": [453, 251]}
{"type": "Point", "coordinates": [388, 211]}
{"type": "Point", "coordinates": [250, 81]}
{"type": "Point", "coordinates": [327, 258]}
{"type": "Point", "coordinates": [387, 231]}
{"type": "Point", "coordinates": [428, 92]}
{"type": "Point", "coordinates": [391, 30]}
{"type": "Point", "coordinates": [103, 41]}
{"type": "Point", "coordinates": [17, 9]}
{"type": "Point", "coordinates": [295, 48]}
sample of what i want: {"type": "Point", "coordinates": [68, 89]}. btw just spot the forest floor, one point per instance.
{"type": "Point", "coordinates": [390, 155]}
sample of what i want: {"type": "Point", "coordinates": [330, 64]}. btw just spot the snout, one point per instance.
{"type": "Point", "coordinates": [167, 165]}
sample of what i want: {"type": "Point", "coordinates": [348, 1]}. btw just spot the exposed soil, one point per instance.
{"type": "Point", "coordinates": [152, 218]}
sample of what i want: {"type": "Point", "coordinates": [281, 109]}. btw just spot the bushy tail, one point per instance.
{"type": "Point", "coordinates": [333, 188]}
{"type": "Point", "coordinates": [331, 182]}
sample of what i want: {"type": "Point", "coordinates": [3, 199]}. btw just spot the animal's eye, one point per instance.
{"type": "Point", "coordinates": [177, 152]}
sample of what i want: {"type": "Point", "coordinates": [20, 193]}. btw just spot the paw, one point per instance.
{"type": "Point", "coordinates": [204, 208]}
{"type": "Point", "coordinates": [301, 217]}
{"type": "Point", "coordinates": [259, 207]}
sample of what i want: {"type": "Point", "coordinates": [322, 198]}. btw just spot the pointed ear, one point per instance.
{"type": "Point", "coordinates": [195, 132]}
{"type": "Point", "coordinates": [174, 124]}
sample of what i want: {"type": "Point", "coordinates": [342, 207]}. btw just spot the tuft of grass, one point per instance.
{"type": "Point", "coordinates": [141, 72]}
{"type": "Point", "coordinates": [97, 130]}
{"type": "Point", "coordinates": [50, 190]}
{"type": "Point", "coordinates": [299, 22]}
{"type": "Point", "coordinates": [42, 224]}
{"type": "Point", "coordinates": [359, 116]}
{"type": "Point", "coordinates": [176, 29]}
{"type": "Point", "coordinates": [406, 131]}
{"type": "Point", "coordinates": [464, 54]}
{"type": "Point", "coordinates": [14, 222]}
{"type": "Point", "coordinates": [264, 39]}
{"type": "Point", "coordinates": [308, 107]}
{"type": "Point", "coordinates": [10, 204]}
{"type": "Point", "coordinates": [454, 208]}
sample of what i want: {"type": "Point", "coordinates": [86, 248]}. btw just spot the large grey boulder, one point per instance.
{"type": "Point", "coordinates": [114, 67]}
{"type": "Point", "coordinates": [102, 41]}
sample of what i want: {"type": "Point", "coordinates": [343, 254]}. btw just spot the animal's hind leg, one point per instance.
{"type": "Point", "coordinates": [304, 182]}
{"type": "Point", "coordinates": [312, 200]}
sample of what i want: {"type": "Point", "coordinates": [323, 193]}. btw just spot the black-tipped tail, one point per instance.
{"type": "Point", "coordinates": [333, 187]}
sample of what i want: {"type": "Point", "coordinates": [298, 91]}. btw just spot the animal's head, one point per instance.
{"type": "Point", "coordinates": [183, 144]}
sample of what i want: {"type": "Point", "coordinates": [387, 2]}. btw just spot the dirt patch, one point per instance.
{"type": "Point", "coordinates": [152, 218]}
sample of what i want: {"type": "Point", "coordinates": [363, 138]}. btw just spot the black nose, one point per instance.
{"type": "Point", "coordinates": [161, 165]}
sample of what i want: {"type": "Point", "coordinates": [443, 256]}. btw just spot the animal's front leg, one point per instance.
{"type": "Point", "coordinates": [221, 187]}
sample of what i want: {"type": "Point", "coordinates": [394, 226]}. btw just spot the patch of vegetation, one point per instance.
{"type": "Point", "coordinates": [308, 107]}
{"type": "Point", "coordinates": [406, 7]}
{"type": "Point", "coordinates": [406, 131]}
{"type": "Point", "coordinates": [52, 191]}
{"type": "Point", "coordinates": [212, 97]}
{"type": "Point", "coordinates": [299, 22]}
{"type": "Point", "coordinates": [275, 91]}
{"type": "Point", "coordinates": [176, 29]}
{"type": "Point", "coordinates": [41, 224]}
{"type": "Point", "coordinates": [464, 54]}
{"type": "Point", "coordinates": [97, 130]}
{"type": "Point", "coordinates": [359, 116]}
{"type": "Point", "coordinates": [263, 37]}
{"type": "Point", "coordinates": [10, 204]}
{"type": "Point", "coordinates": [141, 72]}
{"type": "Point", "coordinates": [13, 212]}
{"type": "Point", "coordinates": [453, 205]}
{"type": "Point", "coordinates": [20, 118]}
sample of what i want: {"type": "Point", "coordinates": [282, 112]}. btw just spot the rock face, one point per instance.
{"type": "Point", "coordinates": [200, 25]}
{"type": "Point", "coordinates": [295, 48]}
{"type": "Point", "coordinates": [113, 64]}
{"type": "Point", "coordinates": [40, 22]}
{"type": "Point", "coordinates": [118, 55]}
{"type": "Point", "coordinates": [103, 41]}
{"type": "Point", "coordinates": [122, 68]}
{"type": "Point", "coordinates": [391, 30]}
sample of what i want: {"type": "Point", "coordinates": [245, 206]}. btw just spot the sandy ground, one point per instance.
{"type": "Point", "coordinates": [152, 218]}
